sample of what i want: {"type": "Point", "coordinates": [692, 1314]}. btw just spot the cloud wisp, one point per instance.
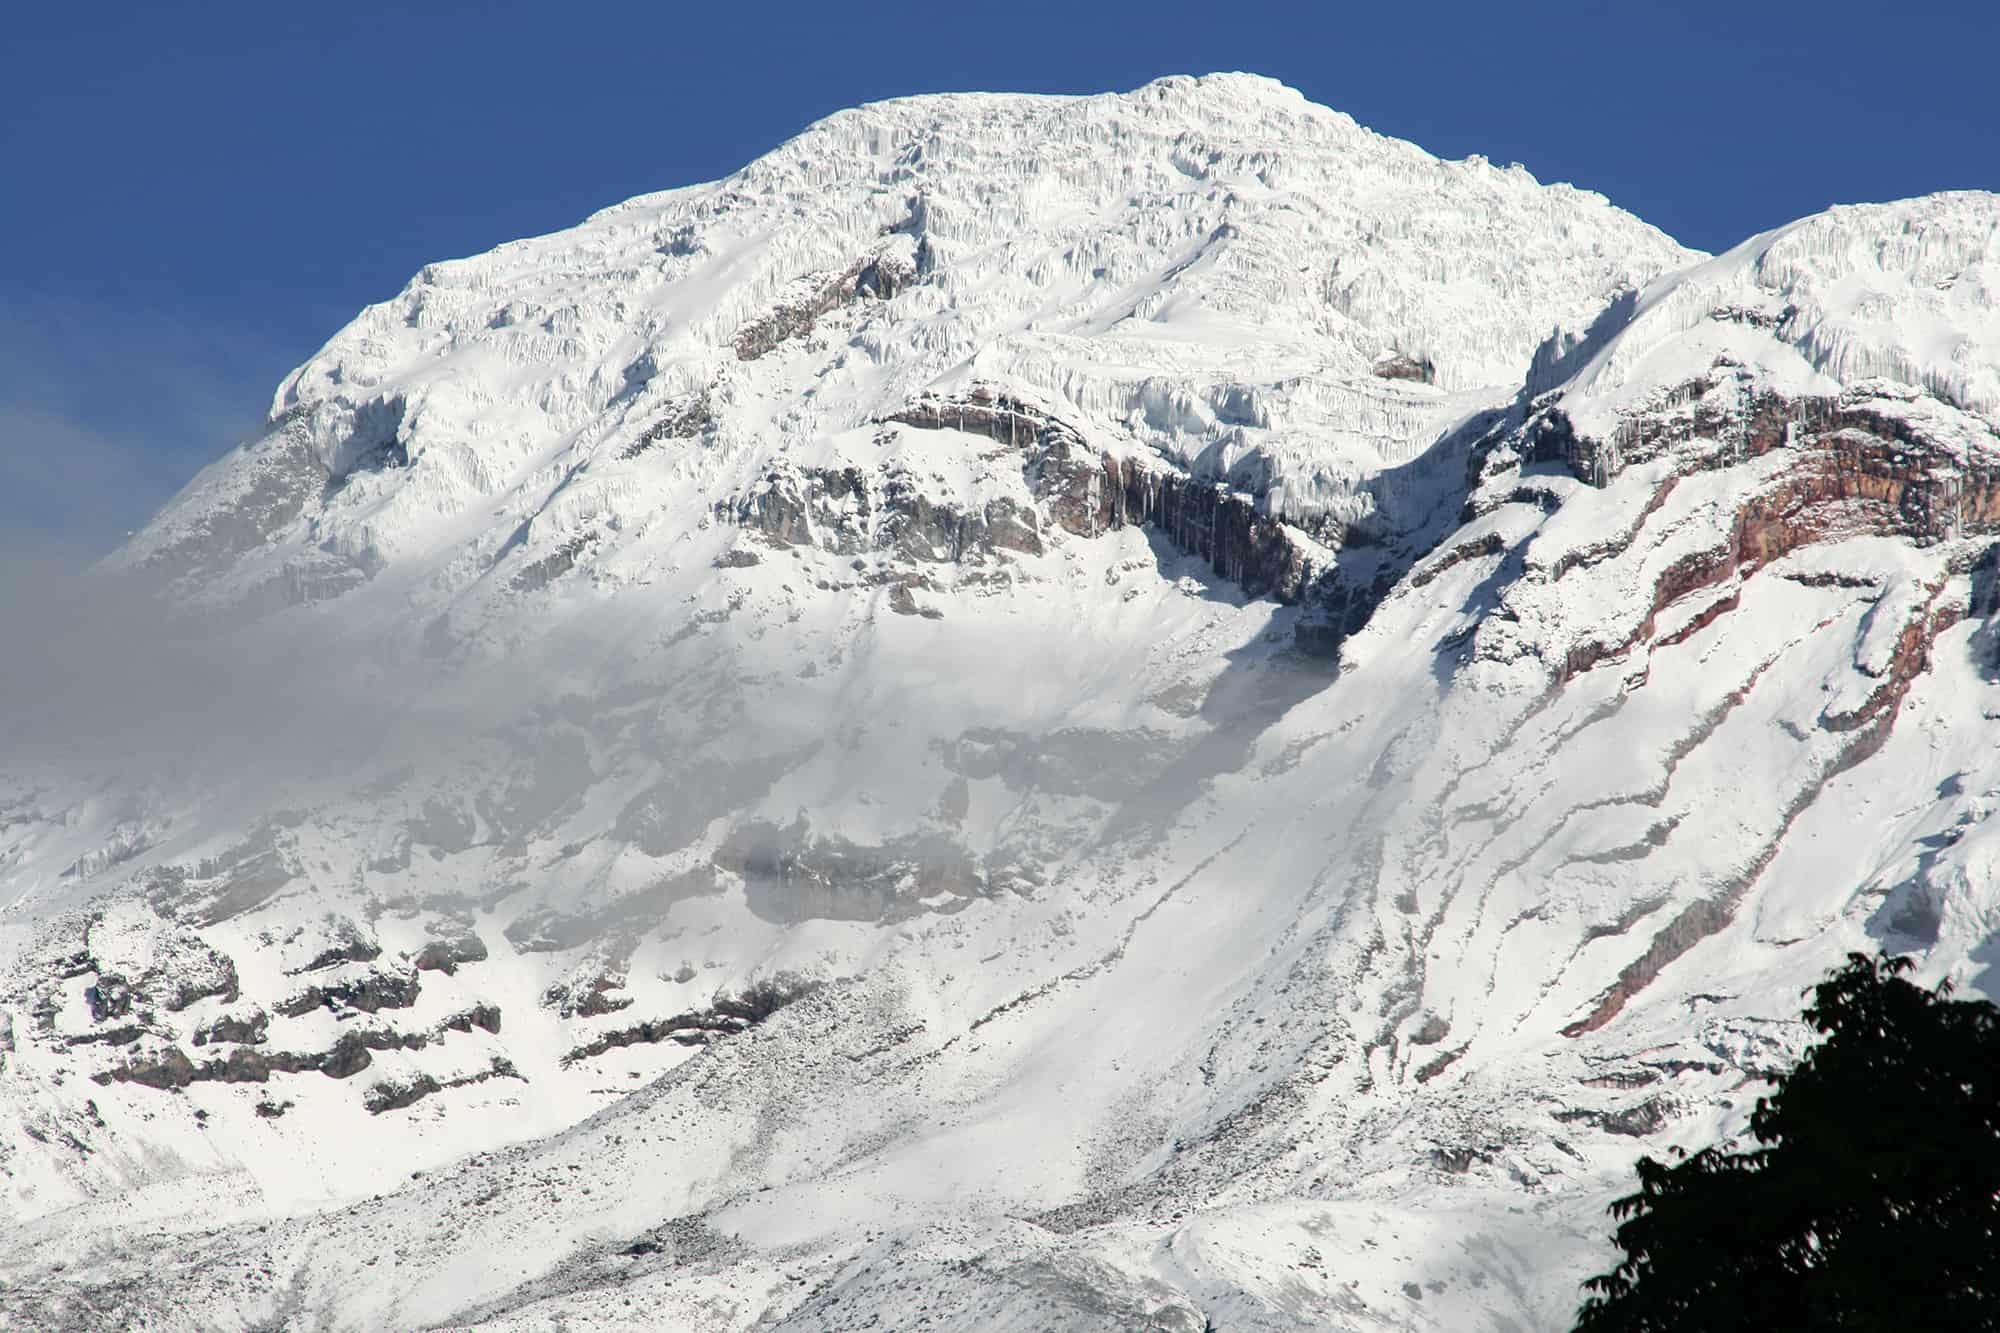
{"type": "Point", "coordinates": [105, 414]}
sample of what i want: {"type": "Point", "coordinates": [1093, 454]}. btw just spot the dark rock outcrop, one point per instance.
{"type": "Point", "coordinates": [1853, 466]}
{"type": "Point", "coordinates": [1089, 491]}
{"type": "Point", "coordinates": [448, 955]}
{"type": "Point", "coordinates": [1635, 1121]}
{"type": "Point", "coordinates": [726, 1015]}
{"type": "Point", "coordinates": [165, 1068]}
{"type": "Point", "coordinates": [1403, 366]}
{"type": "Point", "coordinates": [170, 1067]}
{"type": "Point", "coordinates": [109, 997]}
{"type": "Point", "coordinates": [791, 873]}
{"type": "Point", "coordinates": [244, 1029]}
{"type": "Point", "coordinates": [394, 1094]}
{"type": "Point", "coordinates": [1849, 450]}
{"type": "Point", "coordinates": [1079, 489]}
{"type": "Point", "coordinates": [485, 1017]}
{"type": "Point", "coordinates": [601, 994]}
{"type": "Point", "coordinates": [876, 278]}
{"type": "Point", "coordinates": [234, 881]}
{"type": "Point", "coordinates": [180, 969]}
{"type": "Point", "coordinates": [341, 941]}
{"type": "Point", "coordinates": [540, 573]}
{"type": "Point", "coordinates": [848, 511]}
{"type": "Point", "coordinates": [369, 992]}
{"type": "Point", "coordinates": [685, 420]}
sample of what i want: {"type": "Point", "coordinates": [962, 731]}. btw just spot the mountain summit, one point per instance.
{"type": "Point", "coordinates": [1147, 711]}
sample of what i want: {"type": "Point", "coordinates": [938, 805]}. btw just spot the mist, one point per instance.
{"type": "Point", "coordinates": [105, 413]}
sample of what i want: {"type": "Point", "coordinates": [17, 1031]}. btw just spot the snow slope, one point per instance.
{"type": "Point", "coordinates": [1207, 269]}
{"type": "Point", "coordinates": [1033, 713]}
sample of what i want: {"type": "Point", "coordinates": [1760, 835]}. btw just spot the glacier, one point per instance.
{"type": "Point", "coordinates": [1136, 711]}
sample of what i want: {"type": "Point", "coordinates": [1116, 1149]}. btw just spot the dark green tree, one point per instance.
{"type": "Point", "coordinates": [1871, 1200]}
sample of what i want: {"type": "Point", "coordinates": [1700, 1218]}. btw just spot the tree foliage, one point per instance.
{"type": "Point", "coordinates": [1871, 1200]}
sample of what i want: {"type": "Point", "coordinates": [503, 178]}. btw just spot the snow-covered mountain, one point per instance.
{"type": "Point", "coordinates": [1134, 711]}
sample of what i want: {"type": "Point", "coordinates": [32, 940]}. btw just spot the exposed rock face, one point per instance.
{"type": "Point", "coordinates": [549, 568]}
{"type": "Point", "coordinates": [109, 997]}
{"type": "Point", "coordinates": [1635, 1121]}
{"type": "Point", "coordinates": [726, 1015]}
{"type": "Point", "coordinates": [1850, 448]}
{"type": "Point", "coordinates": [143, 970]}
{"type": "Point", "coordinates": [392, 1096]}
{"type": "Point", "coordinates": [338, 940]}
{"type": "Point", "coordinates": [873, 279]}
{"type": "Point", "coordinates": [1267, 557]}
{"type": "Point", "coordinates": [274, 481]}
{"type": "Point", "coordinates": [1871, 462]}
{"type": "Point", "coordinates": [485, 1017]}
{"type": "Point", "coordinates": [1087, 491]}
{"type": "Point", "coordinates": [448, 955]}
{"type": "Point", "coordinates": [848, 511]}
{"type": "Point", "coordinates": [878, 278]}
{"type": "Point", "coordinates": [170, 1067]}
{"type": "Point", "coordinates": [166, 1066]}
{"type": "Point", "coordinates": [247, 1029]}
{"type": "Point", "coordinates": [685, 420]}
{"type": "Point", "coordinates": [793, 874]}
{"type": "Point", "coordinates": [397, 1093]}
{"type": "Point", "coordinates": [600, 995]}
{"type": "Point", "coordinates": [1340, 574]}
{"type": "Point", "coordinates": [239, 879]}
{"type": "Point", "coordinates": [368, 990]}
{"type": "Point", "coordinates": [1080, 490]}
{"type": "Point", "coordinates": [1402, 366]}
{"type": "Point", "coordinates": [1850, 468]}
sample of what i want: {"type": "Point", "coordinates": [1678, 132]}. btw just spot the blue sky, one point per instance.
{"type": "Point", "coordinates": [195, 196]}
